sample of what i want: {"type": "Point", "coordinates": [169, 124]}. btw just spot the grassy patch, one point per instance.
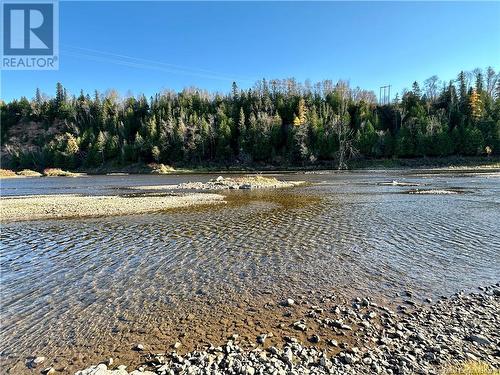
{"type": "Point", "coordinates": [161, 169]}
{"type": "Point", "coordinates": [472, 368]}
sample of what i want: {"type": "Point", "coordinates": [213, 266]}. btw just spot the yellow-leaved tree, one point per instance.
{"type": "Point", "coordinates": [301, 117]}
{"type": "Point", "coordinates": [476, 105]}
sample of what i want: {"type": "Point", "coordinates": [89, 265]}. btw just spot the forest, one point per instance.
{"type": "Point", "coordinates": [276, 122]}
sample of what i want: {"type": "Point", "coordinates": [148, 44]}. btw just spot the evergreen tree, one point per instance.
{"type": "Point", "coordinates": [280, 121]}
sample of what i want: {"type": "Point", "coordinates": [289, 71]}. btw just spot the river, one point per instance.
{"type": "Point", "coordinates": [82, 287]}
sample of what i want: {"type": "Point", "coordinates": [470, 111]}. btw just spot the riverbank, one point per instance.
{"type": "Point", "coordinates": [445, 163]}
{"type": "Point", "coordinates": [71, 206]}
{"type": "Point", "coordinates": [451, 163]}
{"type": "Point", "coordinates": [356, 337]}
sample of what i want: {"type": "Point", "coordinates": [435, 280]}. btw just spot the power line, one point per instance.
{"type": "Point", "coordinates": [137, 62]}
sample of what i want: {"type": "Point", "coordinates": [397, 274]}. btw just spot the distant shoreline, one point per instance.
{"type": "Point", "coordinates": [443, 164]}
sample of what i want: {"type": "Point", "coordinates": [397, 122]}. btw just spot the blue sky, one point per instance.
{"type": "Point", "coordinates": [150, 46]}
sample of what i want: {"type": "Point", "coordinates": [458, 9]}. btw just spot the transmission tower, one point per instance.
{"type": "Point", "coordinates": [384, 95]}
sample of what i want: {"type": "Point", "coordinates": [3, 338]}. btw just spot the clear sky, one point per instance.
{"type": "Point", "coordinates": [146, 47]}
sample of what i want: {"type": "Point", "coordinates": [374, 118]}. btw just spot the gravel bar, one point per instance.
{"type": "Point", "coordinates": [67, 206]}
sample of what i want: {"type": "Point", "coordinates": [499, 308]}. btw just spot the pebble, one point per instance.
{"type": "Point", "coordinates": [471, 357]}
{"type": "Point", "coordinates": [333, 342]}
{"type": "Point", "coordinates": [480, 339]}
{"type": "Point", "coordinates": [314, 339]}
{"type": "Point", "coordinates": [348, 358]}
{"type": "Point", "coordinates": [414, 341]}
{"type": "Point", "coordinates": [300, 326]}
{"type": "Point", "coordinates": [38, 360]}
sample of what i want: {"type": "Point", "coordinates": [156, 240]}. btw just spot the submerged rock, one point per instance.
{"type": "Point", "coordinates": [435, 192]}
{"type": "Point", "coordinates": [404, 343]}
{"type": "Point", "coordinates": [314, 339]}
{"type": "Point", "coordinates": [480, 339]}
{"type": "Point", "coordinates": [398, 183]}
{"type": "Point", "coordinates": [38, 360]}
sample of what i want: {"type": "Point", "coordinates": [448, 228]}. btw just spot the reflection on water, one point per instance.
{"type": "Point", "coordinates": [67, 281]}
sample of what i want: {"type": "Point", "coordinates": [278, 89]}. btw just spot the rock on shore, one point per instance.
{"type": "Point", "coordinates": [421, 339]}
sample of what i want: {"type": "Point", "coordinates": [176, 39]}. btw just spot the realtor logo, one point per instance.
{"type": "Point", "coordinates": [30, 35]}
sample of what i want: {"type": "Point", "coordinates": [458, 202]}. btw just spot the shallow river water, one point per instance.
{"type": "Point", "coordinates": [67, 282]}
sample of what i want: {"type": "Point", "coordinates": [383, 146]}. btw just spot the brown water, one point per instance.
{"type": "Point", "coordinates": [66, 285]}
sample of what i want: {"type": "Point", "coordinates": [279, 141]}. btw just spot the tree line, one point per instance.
{"type": "Point", "coordinates": [279, 122]}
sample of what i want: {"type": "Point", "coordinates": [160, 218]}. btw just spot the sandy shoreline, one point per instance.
{"type": "Point", "coordinates": [67, 206]}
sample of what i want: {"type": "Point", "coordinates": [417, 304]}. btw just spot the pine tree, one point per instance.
{"type": "Point", "coordinates": [479, 82]}
{"type": "Point", "coordinates": [234, 91]}
{"type": "Point", "coordinates": [38, 96]}
{"type": "Point", "coordinates": [416, 90]}
{"type": "Point", "coordinates": [240, 130]}
{"type": "Point", "coordinates": [462, 90]}
{"type": "Point", "coordinates": [59, 95]}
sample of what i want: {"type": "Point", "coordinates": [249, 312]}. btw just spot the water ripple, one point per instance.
{"type": "Point", "coordinates": [79, 277]}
